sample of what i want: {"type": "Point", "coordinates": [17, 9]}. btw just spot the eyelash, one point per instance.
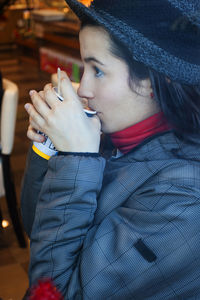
{"type": "Point", "coordinates": [98, 72]}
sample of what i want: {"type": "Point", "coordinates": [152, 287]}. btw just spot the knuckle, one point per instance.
{"type": "Point", "coordinates": [41, 94]}
{"type": "Point", "coordinates": [47, 86]}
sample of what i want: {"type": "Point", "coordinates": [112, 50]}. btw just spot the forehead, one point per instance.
{"type": "Point", "coordinates": [94, 39]}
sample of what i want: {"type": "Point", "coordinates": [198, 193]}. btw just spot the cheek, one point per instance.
{"type": "Point", "coordinates": [118, 86]}
{"type": "Point", "coordinates": [112, 93]}
{"type": "Point", "coordinates": [108, 91]}
{"type": "Point", "coordinates": [115, 97]}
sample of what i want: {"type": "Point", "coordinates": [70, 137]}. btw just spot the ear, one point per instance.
{"type": "Point", "coordinates": [145, 88]}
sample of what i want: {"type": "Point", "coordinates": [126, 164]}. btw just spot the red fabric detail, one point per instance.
{"type": "Point", "coordinates": [127, 139]}
{"type": "Point", "coordinates": [45, 290]}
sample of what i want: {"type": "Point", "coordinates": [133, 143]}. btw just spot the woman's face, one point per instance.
{"type": "Point", "coordinates": [105, 84]}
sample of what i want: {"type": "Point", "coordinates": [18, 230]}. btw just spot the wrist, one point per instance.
{"type": "Point", "coordinates": [89, 148]}
{"type": "Point", "coordinates": [86, 154]}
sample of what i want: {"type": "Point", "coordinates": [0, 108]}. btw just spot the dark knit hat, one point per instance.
{"type": "Point", "coordinates": [162, 34]}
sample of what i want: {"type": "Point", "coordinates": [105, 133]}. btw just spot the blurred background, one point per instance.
{"type": "Point", "coordinates": [35, 38]}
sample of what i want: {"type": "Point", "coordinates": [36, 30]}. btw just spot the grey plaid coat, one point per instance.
{"type": "Point", "coordinates": [126, 228]}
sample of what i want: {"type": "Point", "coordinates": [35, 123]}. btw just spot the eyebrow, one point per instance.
{"type": "Point", "coordinates": [91, 58]}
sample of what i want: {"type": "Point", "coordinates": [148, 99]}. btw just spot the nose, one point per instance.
{"type": "Point", "coordinates": [85, 88]}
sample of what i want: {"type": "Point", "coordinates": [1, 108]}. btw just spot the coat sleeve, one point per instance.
{"type": "Point", "coordinates": [146, 249]}
{"type": "Point", "coordinates": [36, 168]}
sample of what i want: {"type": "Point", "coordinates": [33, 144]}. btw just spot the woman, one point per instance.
{"type": "Point", "coordinates": [126, 227]}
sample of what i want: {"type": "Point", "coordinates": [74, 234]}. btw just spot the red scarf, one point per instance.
{"type": "Point", "coordinates": [127, 139]}
{"type": "Point", "coordinates": [44, 290]}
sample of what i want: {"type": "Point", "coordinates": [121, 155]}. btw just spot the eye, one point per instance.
{"type": "Point", "coordinates": [98, 72]}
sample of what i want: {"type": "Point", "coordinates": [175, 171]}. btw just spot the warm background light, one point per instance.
{"type": "Point", "coordinates": [5, 223]}
{"type": "Point", "coordinates": [86, 2]}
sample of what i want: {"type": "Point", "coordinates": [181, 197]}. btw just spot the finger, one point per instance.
{"type": "Point", "coordinates": [33, 135]}
{"type": "Point", "coordinates": [40, 106]}
{"type": "Point", "coordinates": [41, 94]}
{"type": "Point", "coordinates": [35, 116]}
{"type": "Point", "coordinates": [33, 124]}
{"type": "Point", "coordinates": [48, 86]}
{"type": "Point", "coordinates": [51, 97]}
{"type": "Point", "coordinates": [73, 87]}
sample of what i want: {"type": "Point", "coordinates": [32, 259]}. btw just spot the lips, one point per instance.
{"type": "Point", "coordinates": [89, 109]}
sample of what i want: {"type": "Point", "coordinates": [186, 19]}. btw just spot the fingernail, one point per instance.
{"type": "Point", "coordinates": [26, 106]}
{"type": "Point", "coordinates": [31, 92]}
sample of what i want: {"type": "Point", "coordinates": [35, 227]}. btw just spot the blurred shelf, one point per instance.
{"type": "Point", "coordinates": [61, 36]}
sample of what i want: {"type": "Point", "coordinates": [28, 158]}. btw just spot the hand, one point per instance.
{"type": "Point", "coordinates": [64, 122]}
{"type": "Point", "coordinates": [33, 128]}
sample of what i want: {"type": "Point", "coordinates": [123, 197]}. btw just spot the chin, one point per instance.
{"type": "Point", "coordinates": [107, 130]}
{"type": "Point", "coordinates": [104, 129]}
